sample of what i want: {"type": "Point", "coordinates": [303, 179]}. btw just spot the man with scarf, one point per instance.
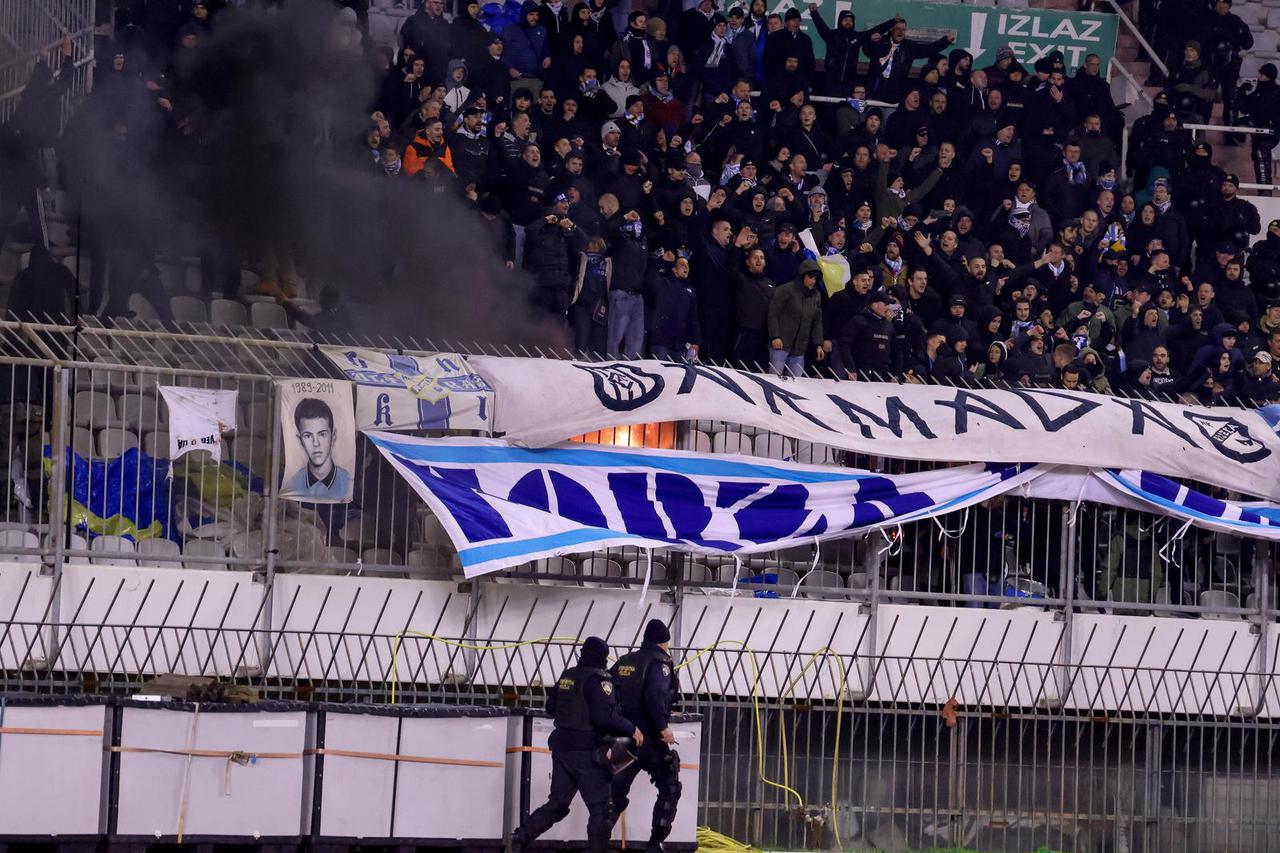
{"type": "Point", "coordinates": [891, 60]}
{"type": "Point", "coordinates": [743, 43]}
{"type": "Point", "coordinates": [695, 25]}
{"type": "Point", "coordinates": [639, 47]}
{"type": "Point", "coordinates": [790, 41]}
{"type": "Point", "coordinates": [714, 61]}
{"type": "Point", "coordinates": [1066, 189]}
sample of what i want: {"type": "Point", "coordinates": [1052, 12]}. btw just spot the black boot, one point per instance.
{"type": "Point", "coordinates": [519, 841]}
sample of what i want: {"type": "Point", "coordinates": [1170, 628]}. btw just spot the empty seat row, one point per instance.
{"type": "Point", "coordinates": [764, 445]}
{"type": "Point", "coordinates": [142, 409]}
{"type": "Point", "coordinates": [119, 551]}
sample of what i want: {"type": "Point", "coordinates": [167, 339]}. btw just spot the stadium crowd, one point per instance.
{"type": "Point", "coordinates": [674, 188]}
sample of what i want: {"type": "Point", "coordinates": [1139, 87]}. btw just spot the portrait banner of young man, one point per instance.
{"type": "Point", "coordinates": [318, 428]}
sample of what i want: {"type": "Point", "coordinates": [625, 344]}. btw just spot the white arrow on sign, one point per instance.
{"type": "Point", "coordinates": [977, 24]}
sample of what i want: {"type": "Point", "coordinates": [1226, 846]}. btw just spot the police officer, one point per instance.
{"type": "Point", "coordinates": [586, 713]}
{"type": "Point", "coordinates": [647, 688]}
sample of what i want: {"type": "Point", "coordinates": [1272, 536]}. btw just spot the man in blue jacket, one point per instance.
{"type": "Point", "coordinates": [526, 49]}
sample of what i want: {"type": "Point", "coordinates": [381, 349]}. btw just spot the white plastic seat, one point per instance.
{"type": "Point", "coordinates": [118, 545]}
{"type": "Point", "coordinates": [809, 453]}
{"type": "Point", "coordinates": [114, 441]}
{"type": "Point", "coordinates": [698, 441]}
{"type": "Point", "coordinates": [157, 553]}
{"type": "Point", "coordinates": [635, 569]}
{"type": "Point", "coordinates": [96, 409]}
{"type": "Point", "coordinates": [1218, 598]}
{"type": "Point", "coordinates": [787, 579]}
{"type": "Point", "coordinates": [76, 542]}
{"type": "Point", "coordinates": [227, 312]}
{"type": "Point", "coordinates": [82, 443]}
{"type": "Point", "coordinates": [188, 309]}
{"type": "Point", "coordinates": [156, 444]}
{"type": "Point", "coordinates": [600, 567]}
{"type": "Point", "coordinates": [859, 581]}
{"type": "Point", "coordinates": [731, 442]}
{"type": "Point", "coordinates": [381, 557]}
{"type": "Point", "coordinates": [555, 566]}
{"type": "Point", "coordinates": [823, 584]}
{"type": "Point", "coordinates": [141, 412]}
{"type": "Point", "coordinates": [19, 539]}
{"type": "Point", "coordinates": [696, 574]}
{"type": "Point", "coordinates": [142, 309]}
{"type": "Point", "coordinates": [203, 548]}
{"type": "Point", "coordinates": [772, 446]}
{"type": "Point", "coordinates": [268, 315]}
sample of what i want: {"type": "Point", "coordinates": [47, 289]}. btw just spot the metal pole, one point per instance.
{"type": "Point", "coordinates": [1067, 580]}
{"type": "Point", "coordinates": [271, 504]}
{"type": "Point", "coordinates": [59, 512]}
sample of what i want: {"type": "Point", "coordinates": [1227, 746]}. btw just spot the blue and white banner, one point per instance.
{"type": "Point", "coordinates": [406, 392]}
{"type": "Point", "coordinates": [503, 506]}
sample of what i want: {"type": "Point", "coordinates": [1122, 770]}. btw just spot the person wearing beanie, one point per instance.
{"type": "Point", "coordinates": [1262, 107]}
{"type": "Point", "coordinates": [647, 690]}
{"type": "Point", "coordinates": [1191, 86]}
{"type": "Point", "coordinates": [788, 42]}
{"type": "Point", "coordinates": [585, 708]}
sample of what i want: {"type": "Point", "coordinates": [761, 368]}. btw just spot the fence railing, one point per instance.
{"type": "Point", "coordinates": [84, 437]}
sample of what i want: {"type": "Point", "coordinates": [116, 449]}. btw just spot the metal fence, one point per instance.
{"type": "Point", "coordinates": [78, 397]}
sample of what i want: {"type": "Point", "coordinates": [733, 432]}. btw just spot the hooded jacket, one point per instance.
{"type": "Point", "coordinates": [795, 313]}
{"type": "Point", "coordinates": [524, 47]}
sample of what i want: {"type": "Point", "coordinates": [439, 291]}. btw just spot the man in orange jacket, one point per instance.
{"type": "Point", "coordinates": [428, 144]}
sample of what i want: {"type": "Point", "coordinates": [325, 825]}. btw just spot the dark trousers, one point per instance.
{"type": "Point", "coordinates": [662, 763]}
{"type": "Point", "coordinates": [575, 772]}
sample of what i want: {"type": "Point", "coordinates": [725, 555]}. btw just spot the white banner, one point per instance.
{"type": "Point", "coordinates": [543, 401]}
{"type": "Point", "coordinates": [405, 392]}
{"type": "Point", "coordinates": [503, 506]}
{"type": "Point", "coordinates": [197, 419]}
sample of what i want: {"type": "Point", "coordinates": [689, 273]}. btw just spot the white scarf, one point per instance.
{"type": "Point", "coordinates": [718, 44]}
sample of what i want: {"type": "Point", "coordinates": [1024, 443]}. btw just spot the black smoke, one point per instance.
{"type": "Point", "coordinates": [261, 157]}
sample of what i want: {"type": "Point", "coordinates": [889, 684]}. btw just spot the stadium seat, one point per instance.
{"type": "Point", "coordinates": [1219, 598]}
{"type": "Point", "coordinates": [809, 453]}
{"type": "Point", "coordinates": [772, 446]}
{"type": "Point", "coordinates": [114, 441]}
{"type": "Point", "coordinates": [76, 542]}
{"type": "Point", "coordinates": [19, 539]}
{"type": "Point", "coordinates": [142, 309]}
{"type": "Point", "coordinates": [731, 442]}
{"type": "Point", "coordinates": [156, 444]}
{"type": "Point", "coordinates": [226, 312]}
{"type": "Point", "coordinates": [859, 581]}
{"type": "Point", "coordinates": [635, 570]}
{"type": "Point", "coordinates": [159, 553]}
{"type": "Point", "coordinates": [81, 267]}
{"type": "Point", "coordinates": [124, 550]}
{"type": "Point", "coordinates": [268, 315]}
{"type": "Point", "coordinates": [696, 574]}
{"type": "Point", "coordinates": [82, 443]}
{"type": "Point", "coordinates": [188, 309]}
{"type": "Point", "coordinates": [600, 567]}
{"type": "Point", "coordinates": [95, 409]}
{"type": "Point", "coordinates": [141, 412]}
{"type": "Point", "coordinates": [381, 557]}
{"type": "Point", "coordinates": [555, 566]}
{"type": "Point", "coordinates": [203, 548]}
{"type": "Point", "coordinates": [823, 584]}
{"type": "Point", "coordinates": [697, 440]}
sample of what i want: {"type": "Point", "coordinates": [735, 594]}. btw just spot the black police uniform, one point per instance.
{"type": "Point", "coordinates": [647, 688]}
{"type": "Point", "coordinates": [586, 711]}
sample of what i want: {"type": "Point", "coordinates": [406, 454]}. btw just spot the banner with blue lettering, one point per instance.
{"type": "Point", "coordinates": [546, 401]}
{"type": "Point", "coordinates": [415, 392]}
{"type": "Point", "coordinates": [503, 506]}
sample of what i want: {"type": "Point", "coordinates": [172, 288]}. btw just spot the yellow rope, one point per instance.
{"type": "Point", "coordinates": [709, 839]}
{"type": "Point", "coordinates": [715, 840]}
